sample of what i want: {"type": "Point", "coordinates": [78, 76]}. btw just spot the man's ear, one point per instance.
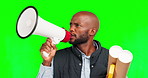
{"type": "Point", "coordinates": [92, 31]}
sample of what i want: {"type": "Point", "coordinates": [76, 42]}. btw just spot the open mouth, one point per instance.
{"type": "Point", "coordinates": [73, 36]}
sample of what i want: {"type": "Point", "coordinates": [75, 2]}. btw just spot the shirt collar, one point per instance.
{"type": "Point", "coordinates": [94, 43]}
{"type": "Point", "coordinates": [93, 56]}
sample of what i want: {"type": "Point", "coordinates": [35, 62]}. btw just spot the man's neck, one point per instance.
{"type": "Point", "coordinates": [87, 48]}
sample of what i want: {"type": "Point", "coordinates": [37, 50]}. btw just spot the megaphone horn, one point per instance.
{"type": "Point", "coordinates": [30, 23]}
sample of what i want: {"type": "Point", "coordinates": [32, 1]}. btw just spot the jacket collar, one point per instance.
{"type": "Point", "coordinates": [93, 57]}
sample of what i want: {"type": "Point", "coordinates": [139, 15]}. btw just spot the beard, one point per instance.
{"type": "Point", "coordinates": [83, 38]}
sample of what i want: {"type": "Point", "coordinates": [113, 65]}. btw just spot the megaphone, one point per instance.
{"type": "Point", "coordinates": [30, 23]}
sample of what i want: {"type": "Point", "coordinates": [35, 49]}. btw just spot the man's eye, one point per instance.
{"type": "Point", "coordinates": [77, 25]}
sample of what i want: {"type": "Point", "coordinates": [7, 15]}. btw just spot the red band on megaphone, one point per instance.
{"type": "Point", "coordinates": [67, 36]}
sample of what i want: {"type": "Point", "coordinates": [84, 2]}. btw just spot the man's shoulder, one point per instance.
{"type": "Point", "coordinates": [64, 51]}
{"type": "Point", "coordinates": [104, 51]}
{"type": "Point", "coordinates": [62, 55]}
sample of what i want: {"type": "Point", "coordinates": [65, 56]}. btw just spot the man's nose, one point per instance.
{"type": "Point", "coordinates": [72, 28]}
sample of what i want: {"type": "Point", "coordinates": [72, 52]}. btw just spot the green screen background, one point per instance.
{"type": "Point", "coordinates": [123, 23]}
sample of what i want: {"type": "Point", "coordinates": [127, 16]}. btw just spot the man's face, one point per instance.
{"type": "Point", "coordinates": [79, 30]}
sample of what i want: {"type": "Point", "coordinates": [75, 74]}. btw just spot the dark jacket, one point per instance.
{"type": "Point", "coordinates": [67, 63]}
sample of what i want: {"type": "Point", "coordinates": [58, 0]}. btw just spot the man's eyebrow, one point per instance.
{"type": "Point", "coordinates": [76, 23]}
{"type": "Point", "coordinates": [73, 23]}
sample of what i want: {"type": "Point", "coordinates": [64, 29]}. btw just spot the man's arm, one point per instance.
{"type": "Point", "coordinates": [46, 68]}
{"type": "Point", "coordinates": [45, 71]}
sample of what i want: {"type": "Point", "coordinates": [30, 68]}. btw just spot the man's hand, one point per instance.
{"type": "Point", "coordinates": [49, 48]}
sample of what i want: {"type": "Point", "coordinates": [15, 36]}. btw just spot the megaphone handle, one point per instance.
{"type": "Point", "coordinates": [54, 41]}
{"type": "Point", "coordinates": [45, 54]}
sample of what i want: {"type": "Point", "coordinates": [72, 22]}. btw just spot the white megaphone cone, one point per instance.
{"type": "Point", "coordinates": [30, 23]}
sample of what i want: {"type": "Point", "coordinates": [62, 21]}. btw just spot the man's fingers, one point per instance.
{"type": "Point", "coordinates": [45, 50]}
{"type": "Point", "coordinates": [48, 44]}
{"type": "Point", "coordinates": [49, 40]}
{"type": "Point", "coordinates": [49, 48]}
{"type": "Point", "coordinates": [53, 46]}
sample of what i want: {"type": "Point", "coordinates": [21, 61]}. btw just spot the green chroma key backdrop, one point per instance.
{"type": "Point", "coordinates": [123, 23]}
